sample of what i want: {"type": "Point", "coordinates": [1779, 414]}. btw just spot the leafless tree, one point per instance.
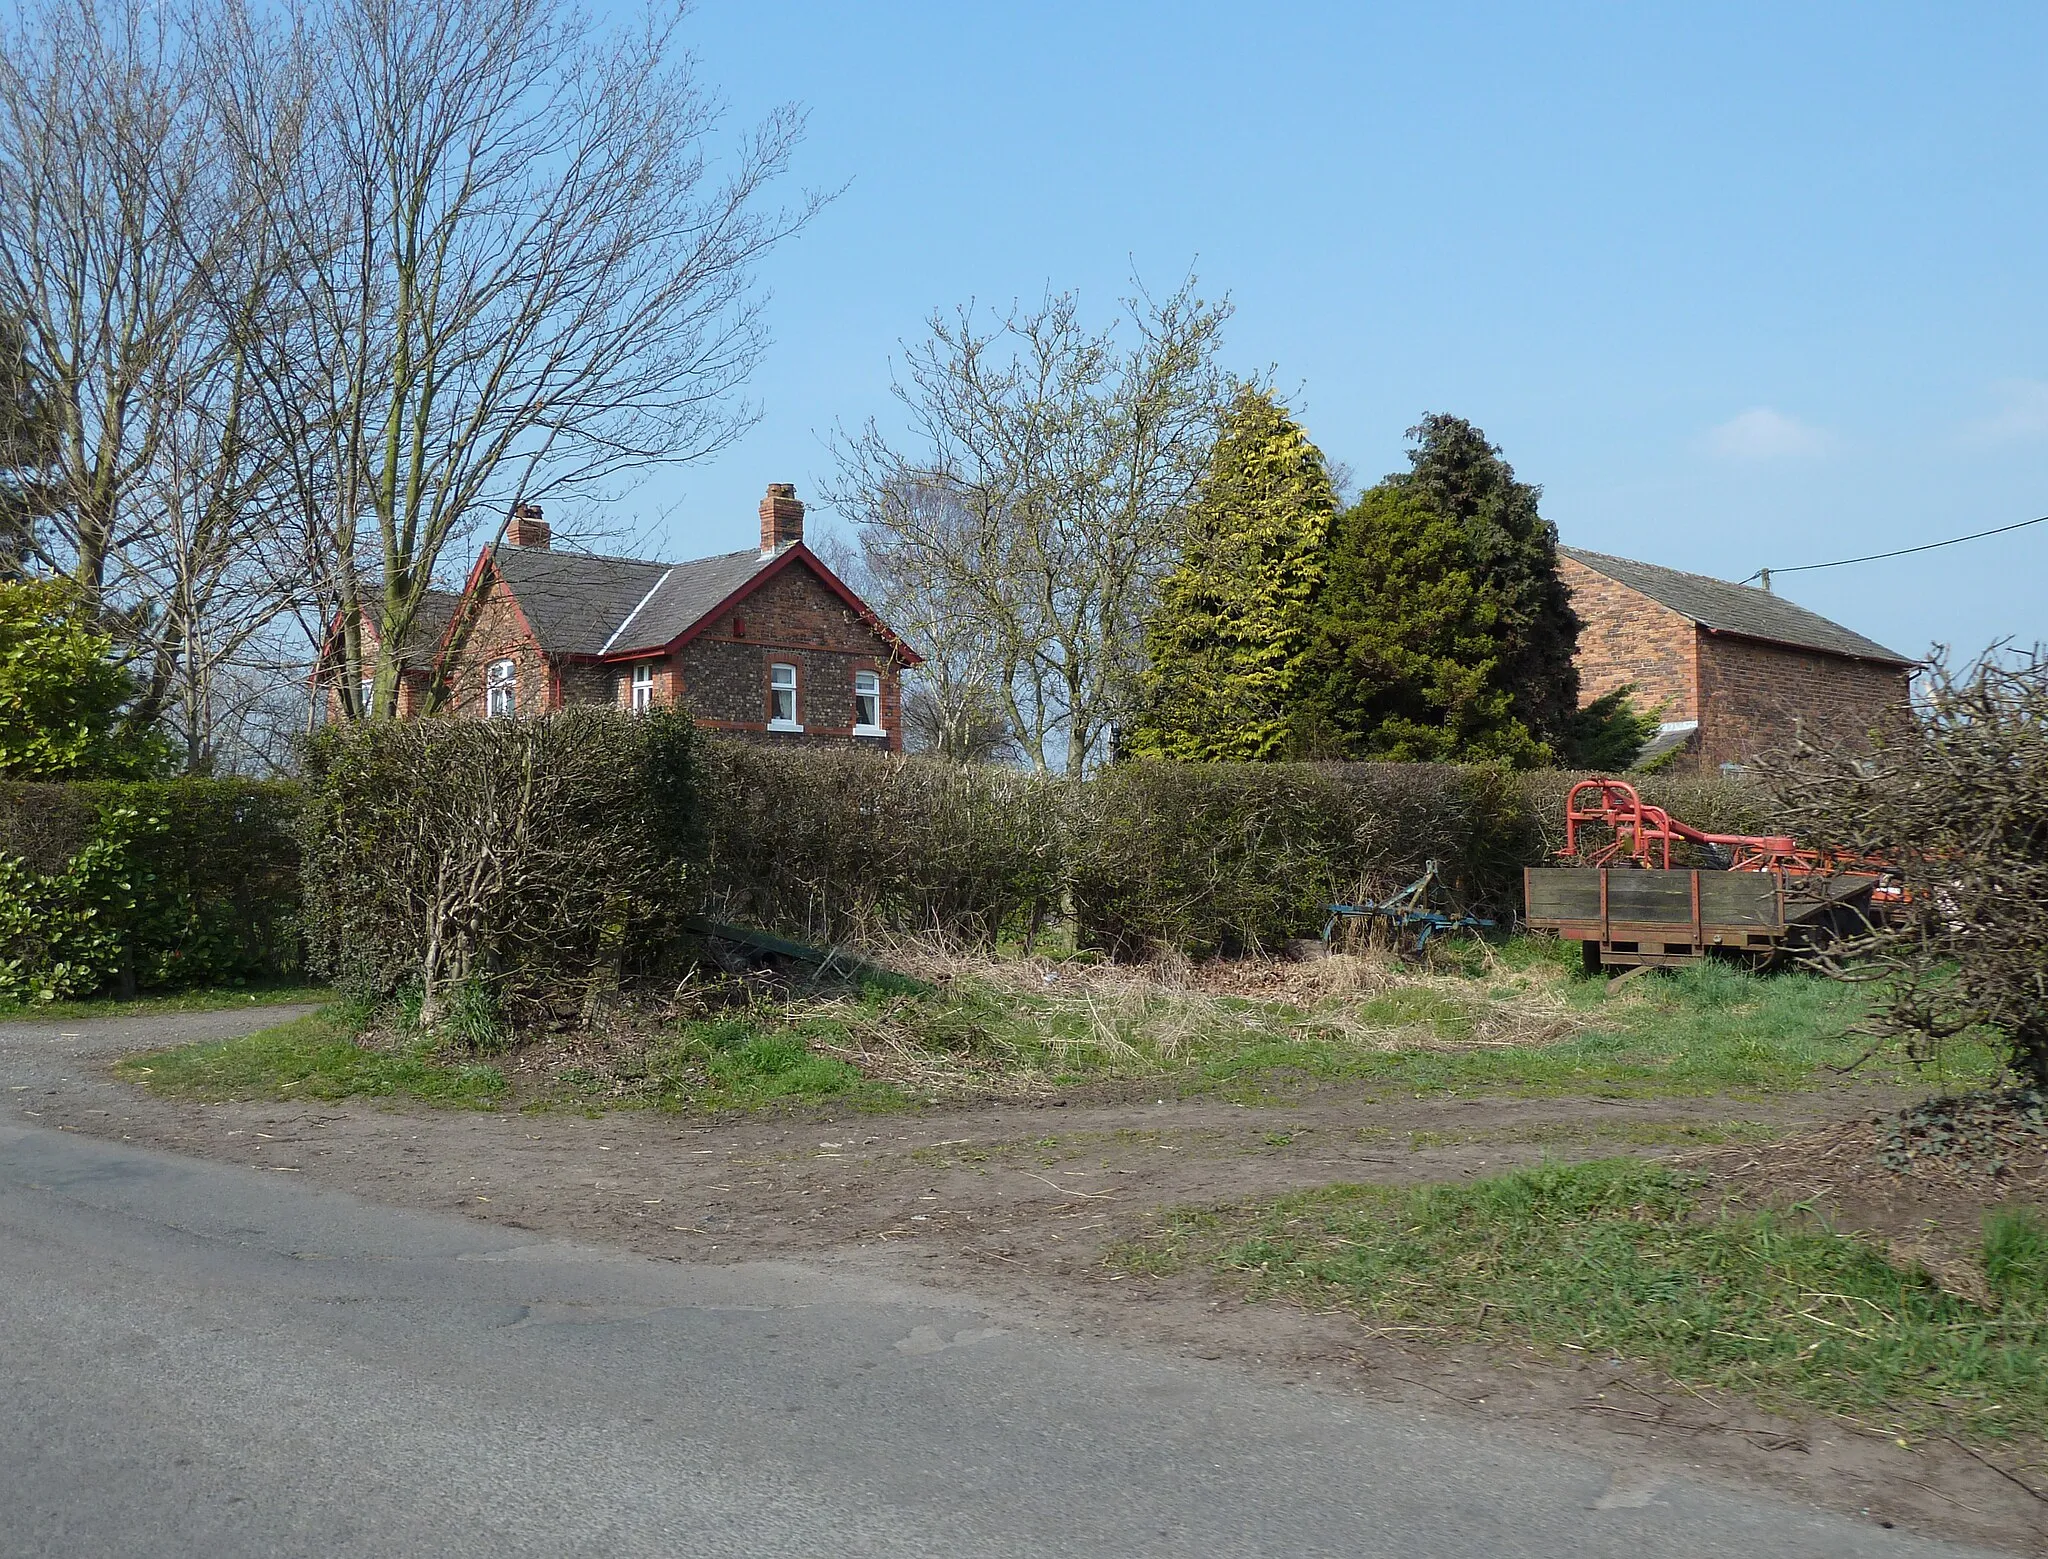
{"type": "Point", "coordinates": [118, 218]}
{"type": "Point", "coordinates": [516, 273]}
{"type": "Point", "coordinates": [1024, 524]}
{"type": "Point", "coordinates": [1957, 801]}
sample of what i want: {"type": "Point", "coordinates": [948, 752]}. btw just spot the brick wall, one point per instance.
{"type": "Point", "coordinates": [1757, 696]}
{"type": "Point", "coordinates": [498, 632]}
{"type": "Point", "coordinates": [1628, 638]}
{"type": "Point", "coordinates": [792, 620]}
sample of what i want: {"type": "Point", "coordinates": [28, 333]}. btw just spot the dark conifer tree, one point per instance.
{"type": "Point", "coordinates": [1513, 558]}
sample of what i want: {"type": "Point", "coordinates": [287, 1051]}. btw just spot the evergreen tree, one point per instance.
{"type": "Point", "coordinates": [1228, 641]}
{"type": "Point", "coordinates": [1608, 733]}
{"type": "Point", "coordinates": [62, 696]}
{"type": "Point", "coordinates": [1406, 652]}
{"type": "Point", "coordinates": [1513, 557]}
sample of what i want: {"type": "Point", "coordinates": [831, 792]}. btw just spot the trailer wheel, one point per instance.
{"type": "Point", "coordinates": [1589, 957]}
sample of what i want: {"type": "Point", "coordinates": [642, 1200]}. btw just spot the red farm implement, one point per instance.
{"type": "Point", "coordinates": [1752, 896]}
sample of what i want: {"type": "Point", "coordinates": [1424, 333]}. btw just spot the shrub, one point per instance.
{"type": "Point", "coordinates": [830, 843]}
{"type": "Point", "coordinates": [483, 863]}
{"type": "Point", "coordinates": [151, 885]}
{"type": "Point", "coordinates": [1231, 858]}
{"type": "Point", "coordinates": [1956, 798]}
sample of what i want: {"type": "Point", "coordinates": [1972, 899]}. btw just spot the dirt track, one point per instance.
{"type": "Point", "coordinates": [1019, 1202]}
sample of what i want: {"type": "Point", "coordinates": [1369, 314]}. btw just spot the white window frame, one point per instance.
{"type": "Point", "coordinates": [642, 695]}
{"type": "Point", "coordinates": [867, 685]}
{"type": "Point", "coordinates": [776, 688]}
{"type": "Point", "coordinates": [501, 690]}
{"type": "Point", "coordinates": [368, 697]}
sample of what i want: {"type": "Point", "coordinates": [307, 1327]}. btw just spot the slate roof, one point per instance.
{"type": "Point", "coordinates": [423, 639]}
{"type": "Point", "coordinates": [681, 598]}
{"type": "Point", "coordinates": [575, 601]}
{"type": "Point", "coordinates": [1722, 607]}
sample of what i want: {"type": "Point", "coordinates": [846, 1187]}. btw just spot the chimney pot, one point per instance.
{"type": "Point", "coordinates": [527, 528]}
{"type": "Point", "coordinates": [782, 518]}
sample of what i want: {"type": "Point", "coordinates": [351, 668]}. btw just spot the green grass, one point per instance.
{"type": "Point", "coordinates": [314, 1057]}
{"type": "Point", "coordinates": [209, 999]}
{"type": "Point", "coordinates": [735, 1063]}
{"type": "Point", "coordinates": [1619, 1258]}
{"type": "Point", "coordinates": [1709, 1029]}
{"type": "Point", "coordinates": [1514, 1019]}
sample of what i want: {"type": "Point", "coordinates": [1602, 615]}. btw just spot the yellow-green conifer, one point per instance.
{"type": "Point", "coordinates": [1226, 646]}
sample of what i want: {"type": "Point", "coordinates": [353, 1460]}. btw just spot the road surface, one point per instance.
{"type": "Point", "coordinates": [203, 1359]}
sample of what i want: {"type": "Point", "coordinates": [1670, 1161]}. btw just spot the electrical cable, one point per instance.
{"type": "Point", "coordinates": [1805, 568]}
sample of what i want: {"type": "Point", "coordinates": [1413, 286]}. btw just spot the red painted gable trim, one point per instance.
{"type": "Point", "coordinates": [473, 601]}
{"type": "Point", "coordinates": [831, 581]}
{"type": "Point", "coordinates": [797, 550]}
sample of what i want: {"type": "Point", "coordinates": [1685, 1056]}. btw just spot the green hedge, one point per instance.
{"type": "Point", "coordinates": [638, 823]}
{"type": "Point", "coordinates": [1202, 858]}
{"type": "Point", "coordinates": [151, 886]}
{"type": "Point", "coordinates": [1232, 858]}
{"type": "Point", "coordinates": [832, 843]}
{"type": "Point", "coordinates": [498, 860]}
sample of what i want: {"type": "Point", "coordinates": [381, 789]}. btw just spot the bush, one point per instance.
{"type": "Point", "coordinates": [151, 885]}
{"type": "Point", "coordinates": [1232, 858]}
{"type": "Point", "coordinates": [486, 864]}
{"type": "Point", "coordinates": [831, 843]}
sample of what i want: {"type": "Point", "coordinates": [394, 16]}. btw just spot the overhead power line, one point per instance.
{"type": "Point", "coordinates": [1765, 574]}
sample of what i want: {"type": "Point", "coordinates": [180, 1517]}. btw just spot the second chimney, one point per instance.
{"type": "Point", "coordinates": [782, 518]}
{"type": "Point", "coordinates": [527, 528]}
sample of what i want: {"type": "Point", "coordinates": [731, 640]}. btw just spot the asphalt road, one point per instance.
{"type": "Point", "coordinates": [200, 1359]}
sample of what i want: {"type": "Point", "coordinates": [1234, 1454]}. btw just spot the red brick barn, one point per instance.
{"type": "Point", "coordinates": [1736, 670]}
{"type": "Point", "coordinates": [768, 642]}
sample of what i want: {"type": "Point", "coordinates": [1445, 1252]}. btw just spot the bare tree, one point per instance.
{"type": "Point", "coordinates": [117, 217]}
{"type": "Point", "coordinates": [1957, 801]}
{"type": "Point", "coordinates": [515, 270]}
{"type": "Point", "coordinates": [1041, 495]}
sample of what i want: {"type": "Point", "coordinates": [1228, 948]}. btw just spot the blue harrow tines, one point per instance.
{"type": "Point", "coordinates": [1406, 911]}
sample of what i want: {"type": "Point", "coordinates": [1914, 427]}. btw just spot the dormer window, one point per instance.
{"type": "Point", "coordinates": [867, 704]}
{"type": "Point", "coordinates": [643, 687]}
{"type": "Point", "coordinates": [501, 689]}
{"type": "Point", "coordinates": [782, 699]}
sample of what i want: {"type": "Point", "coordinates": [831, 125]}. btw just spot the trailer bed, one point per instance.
{"type": "Point", "coordinates": [1635, 915]}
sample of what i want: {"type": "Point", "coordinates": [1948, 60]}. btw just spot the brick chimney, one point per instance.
{"type": "Point", "coordinates": [527, 528]}
{"type": "Point", "coordinates": [782, 518]}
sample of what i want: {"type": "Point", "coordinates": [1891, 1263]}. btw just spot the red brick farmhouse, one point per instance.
{"type": "Point", "coordinates": [768, 641]}
{"type": "Point", "coordinates": [1737, 670]}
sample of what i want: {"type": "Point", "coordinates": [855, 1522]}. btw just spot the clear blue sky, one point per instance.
{"type": "Point", "coordinates": [1737, 285]}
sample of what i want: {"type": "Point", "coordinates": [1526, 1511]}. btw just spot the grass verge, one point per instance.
{"type": "Point", "coordinates": [1631, 1260]}
{"type": "Point", "coordinates": [1520, 1021]}
{"type": "Point", "coordinates": [314, 1057]}
{"type": "Point", "coordinates": [729, 1063]}
{"type": "Point", "coordinates": [1512, 1019]}
{"type": "Point", "coordinates": [206, 999]}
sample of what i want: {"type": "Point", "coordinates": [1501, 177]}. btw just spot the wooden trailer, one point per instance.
{"type": "Point", "coordinates": [1629, 915]}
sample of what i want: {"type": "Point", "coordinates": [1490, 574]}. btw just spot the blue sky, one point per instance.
{"type": "Point", "coordinates": [1739, 286]}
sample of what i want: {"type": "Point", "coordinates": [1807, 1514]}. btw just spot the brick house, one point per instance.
{"type": "Point", "coordinates": [767, 642]}
{"type": "Point", "coordinates": [1733, 670]}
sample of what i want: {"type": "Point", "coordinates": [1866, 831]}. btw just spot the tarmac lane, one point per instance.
{"type": "Point", "coordinates": [206, 1359]}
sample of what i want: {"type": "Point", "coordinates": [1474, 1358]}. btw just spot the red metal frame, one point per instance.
{"type": "Point", "coordinates": [1644, 834]}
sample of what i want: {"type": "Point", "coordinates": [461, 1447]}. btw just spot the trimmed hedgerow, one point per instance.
{"type": "Point", "coordinates": [155, 885]}
{"type": "Point", "coordinates": [1233, 858]}
{"type": "Point", "coordinates": [832, 843]}
{"type": "Point", "coordinates": [487, 863]}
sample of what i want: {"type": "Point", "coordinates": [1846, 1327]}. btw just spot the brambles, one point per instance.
{"type": "Point", "coordinates": [1957, 800]}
